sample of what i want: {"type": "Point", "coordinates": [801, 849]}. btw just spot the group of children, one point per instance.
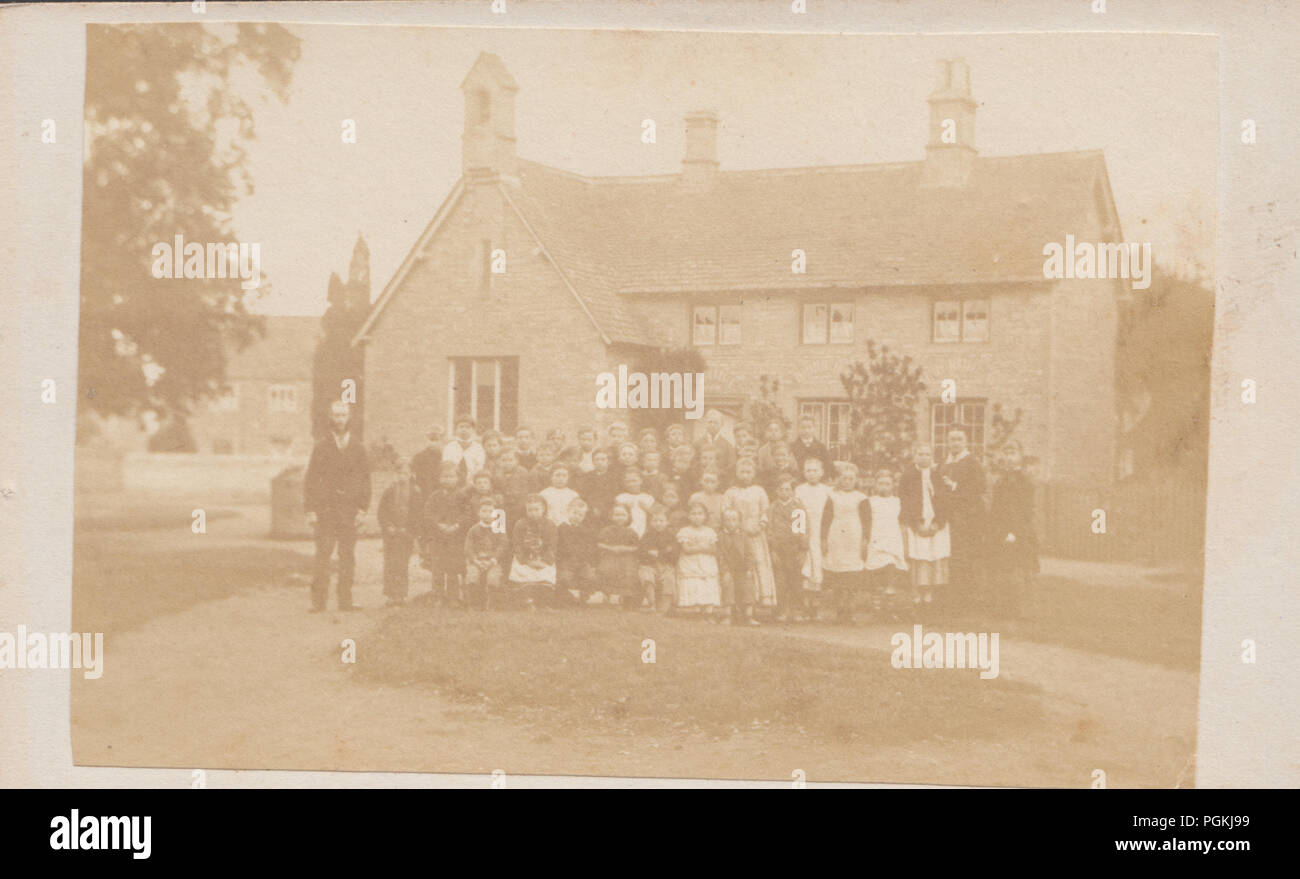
{"type": "Point", "coordinates": [729, 533]}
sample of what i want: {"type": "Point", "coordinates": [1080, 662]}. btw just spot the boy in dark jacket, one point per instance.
{"type": "Point", "coordinates": [657, 560]}
{"type": "Point", "coordinates": [576, 554]}
{"type": "Point", "coordinates": [787, 538]}
{"type": "Point", "coordinates": [735, 570]}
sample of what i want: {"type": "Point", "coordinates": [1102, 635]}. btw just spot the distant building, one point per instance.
{"type": "Point", "coordinates": [268, 408]}
{"type": "Point", "coordinates": [941, 259]}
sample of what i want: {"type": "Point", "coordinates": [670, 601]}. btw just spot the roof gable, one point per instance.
{"type": "Point", "coordinates": [859, 226]}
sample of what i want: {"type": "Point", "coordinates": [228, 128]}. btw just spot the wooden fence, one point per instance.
{"type": "Point", "coordinates": [1158, 522]}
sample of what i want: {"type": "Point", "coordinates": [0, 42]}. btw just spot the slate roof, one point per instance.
{"type": "Point", "coordinates": [860, 226]}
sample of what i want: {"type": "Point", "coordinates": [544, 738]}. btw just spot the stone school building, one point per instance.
{"type": "Point", "coordinates": [783, 272]}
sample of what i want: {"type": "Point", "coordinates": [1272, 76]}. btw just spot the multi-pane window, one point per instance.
{"type": "Point", "coordinates": [831, 420]}
{"type": "Point", "coordinates": [715, 325]}
{"type": "Point", "coordinates": [965, 320]}
{"type": "Point", "coordinates": [828, 322]}
{"type": "Point", "coordinates": [282, 398]}
{"type": "Point", "coordinates": [965, 415]}
{"type": "Point", "coordinates": [486, 389]}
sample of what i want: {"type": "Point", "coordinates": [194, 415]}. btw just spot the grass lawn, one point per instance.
{"type": "Point", "coordinates": [114, 588]}
{"type": "Point", "coordinates": [147, 511]}
{"type": "Point", "coordinates": [580, 672]}
{"type": "Point", "coordinates": [1161, 626]}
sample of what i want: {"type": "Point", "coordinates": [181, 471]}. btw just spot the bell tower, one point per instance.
{"type": "Point", "coordinates": [488, 141]}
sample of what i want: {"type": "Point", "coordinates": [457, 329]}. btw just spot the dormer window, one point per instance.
{"type": "Point", "coordinates": [482, 107]}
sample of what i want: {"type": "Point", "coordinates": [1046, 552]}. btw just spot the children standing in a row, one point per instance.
{"type": "Point", "coordinates": [617, 525]}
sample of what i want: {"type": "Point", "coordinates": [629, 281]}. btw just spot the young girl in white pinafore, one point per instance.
{"type": "Point", "coordinates": [886, 561]}
{"type": "Point", "coordinates": [697, 564]}
{"type": "Point", "coordinates": [812, 493]}
{"type": "Point", "coordinates": [922, 515]}
{"type": "Point", "coordinates": [845, 530]}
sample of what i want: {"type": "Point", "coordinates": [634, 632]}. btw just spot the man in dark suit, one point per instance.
{"type": "Point", "coordinates": [336, 494]}
{"type": "Point", "coordinates": [713, 439]}
{"type": "Point", "coordinates": [964, 482]}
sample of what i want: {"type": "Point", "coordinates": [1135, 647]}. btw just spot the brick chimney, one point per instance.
{"type": "Point", "coordinates": [488, 142]}
{"type": "Point", "coordinates": [950, 152]}
{"type": "Point", "coordinates": [700, 163]}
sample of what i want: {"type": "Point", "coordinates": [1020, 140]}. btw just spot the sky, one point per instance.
{"type": "Point", "coordinates": [1150, 102]}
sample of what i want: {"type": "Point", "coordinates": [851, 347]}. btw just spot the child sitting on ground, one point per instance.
{"type": "Point", "coordinates": [532, 571]}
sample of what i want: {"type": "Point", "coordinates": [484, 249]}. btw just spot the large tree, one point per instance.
{"type": "Point", "coordinates": [1165, 347]}
{"type": "Point", "coordinates": [165, 155]}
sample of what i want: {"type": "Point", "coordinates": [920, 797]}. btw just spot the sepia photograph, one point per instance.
{"type": "Point", "coordinates": [644, 403]}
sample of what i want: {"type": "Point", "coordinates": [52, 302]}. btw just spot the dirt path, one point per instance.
{"type": "Point", "coordinates": [253, 681]}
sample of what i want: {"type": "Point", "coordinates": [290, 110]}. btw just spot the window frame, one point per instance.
{"type": "Point", "coordinates": [287, 392]}
{"type": "Point", "coordinates": [715, 310]}
{"type": "Point", "coordinates": [505, 375]}
{"type": "Point", "coordinates": [987, 316]}
{"type": "Point", "coordinates": [839, 450]}
{"type": "Point", "coordinates": [978, 448]}
{"type": "Point", "coordinates": [829, 306]}
{"type": "Point", "coordinates": [961, 304]}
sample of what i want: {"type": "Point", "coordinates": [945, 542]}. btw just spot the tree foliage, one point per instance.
{"type": "Point", "coordinates": [884, 393]}
{"type": "Point", "coordinates": [1163, 366]}
{"type": "Point", "coordinates": [165, 156]}
{"type": "Point", "coordinates": [336, 359]}
{"type": "Point", "coordinates": [766, 408]}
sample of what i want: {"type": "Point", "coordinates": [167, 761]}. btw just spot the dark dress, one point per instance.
{"type": "Point", "coordinates": [814, 449]}
{"type": "Point", "coordinates": [599, 491]}
{"type": "Point", "coordinates": [425, 467]}
{"type": "Point", "coordinates": [964, 510]}
{"type": "Point", "coordinates": [446, 548]}
{"type": "Point", "coordinates": [617, 571]}
{"type": "Point", "coordinates": [1013, 513]}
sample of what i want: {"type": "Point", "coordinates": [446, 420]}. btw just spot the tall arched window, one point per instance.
{"type": "Point", "coordinates": [482, 107]}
